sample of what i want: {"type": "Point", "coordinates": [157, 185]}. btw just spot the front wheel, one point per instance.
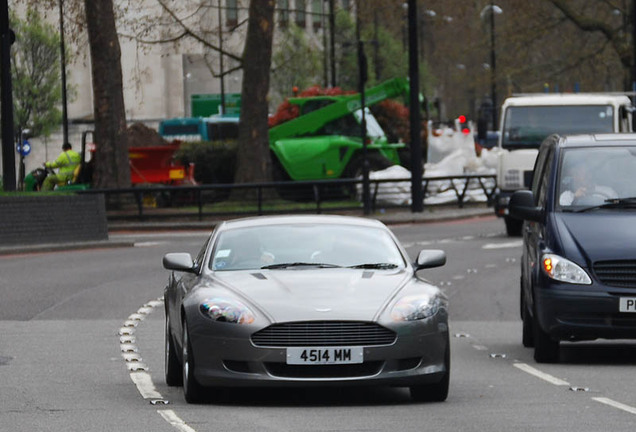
{"type": "Point", "coordinates": [437, 392]}
{"type": "Point", "coordinates": [546, 349]}
{"type": "Point", "coordinates": [192, 390]}
{"type": "Point", "coordinates": [174, 376]}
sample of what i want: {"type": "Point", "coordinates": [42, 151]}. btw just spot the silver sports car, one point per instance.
{"type": "Point", "coordinates": [305, 301]}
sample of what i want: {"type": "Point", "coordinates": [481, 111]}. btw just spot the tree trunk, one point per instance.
{"type": "Point", "coordinates": [112, 168]}
{"type": "Point", "coordinates": [253, 161]}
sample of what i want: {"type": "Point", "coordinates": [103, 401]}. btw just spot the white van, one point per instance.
{"type": "Point", "coordinates": [526, 120]}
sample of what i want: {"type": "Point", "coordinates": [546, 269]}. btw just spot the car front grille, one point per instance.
{"type": "Point", "coordinates": [323, 333]}
{"type": "Point", "coordinates": [619, 273]}
{"type": "Point", "coordinates": [324, 371]}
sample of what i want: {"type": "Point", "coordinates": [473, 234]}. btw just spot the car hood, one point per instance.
{"type": "Point", "coordinates": [598, 236]}
{"type": "Point", "coordinates": [317, 294]}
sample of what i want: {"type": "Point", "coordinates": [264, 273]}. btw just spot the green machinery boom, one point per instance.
{"type": "Point", "coordinates": [324, 141]}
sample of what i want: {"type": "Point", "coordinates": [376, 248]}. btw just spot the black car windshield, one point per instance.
{"type": "Point", "coordinates": [528, 126]}
{"type": "Point", "coordinates": [305, 246]}
{"type": "Point", "coordinates": [597, 177]}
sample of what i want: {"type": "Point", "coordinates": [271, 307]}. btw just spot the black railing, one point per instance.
{"type": "Point", "coordinates": [199, 201]}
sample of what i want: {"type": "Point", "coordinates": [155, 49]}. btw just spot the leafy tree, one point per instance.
{"type": "Point", "coordinates": [295, 62]}
{"type": "Point", "coordinates": [35, 68]}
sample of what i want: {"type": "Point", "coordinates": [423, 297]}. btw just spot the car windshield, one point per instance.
{"type": "Point", "coordinates": [592, 177]}
{"type": "Point", "coordinates": [301, 246]}
{"type": "Point", "coordinates": [527, 127]}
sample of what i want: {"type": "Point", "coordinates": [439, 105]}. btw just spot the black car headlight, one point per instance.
{"type": "Point", "coordinates": [227, 310]}
{"type": "Point", "coordinates": [416, 307]}
{"type": "Point", "coordinates": [564, 270]}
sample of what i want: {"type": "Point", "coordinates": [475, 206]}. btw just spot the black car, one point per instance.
{"type": "Point", "coordinates": [578, 270]}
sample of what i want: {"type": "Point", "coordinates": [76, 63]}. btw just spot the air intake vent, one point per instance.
{"type": "Point", "coordinates": [617, 273]}
{"type": "Point", "coordinates": [323, 333]}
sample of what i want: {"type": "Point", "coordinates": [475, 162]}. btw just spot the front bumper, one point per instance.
{"type": "Point", "coordinates": [230, 359]}
{"type": "Point", "coordinates": [575, 313]}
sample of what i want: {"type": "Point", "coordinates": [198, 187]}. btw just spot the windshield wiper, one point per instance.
{"type": "Point", "coordinates": [611, 203]}
{"type": "Point", "coordinates": [379, 266]}
{"type": "Point", "coordinates": [298, 264]}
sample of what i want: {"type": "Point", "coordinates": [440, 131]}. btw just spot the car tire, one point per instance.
{"type": "Point", "coordinates": [546, 349]}
{"type": "Point", "coordinates": [192, 390]}
{"type": "Point", "coordinates": [437, 392]}
{"type": "Point", "coordinates": [527, 336]}
{"type": "Point", "coordinates": [174, 376]}
{"type": "Point", "coordinates": [513, 226]}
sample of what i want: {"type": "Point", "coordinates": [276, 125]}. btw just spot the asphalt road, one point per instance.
{"type": "Point", "coordinates": [65, 317]}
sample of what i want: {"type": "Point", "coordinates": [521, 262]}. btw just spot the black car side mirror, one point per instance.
{"type": "Point", "coordinates": [522, 206]}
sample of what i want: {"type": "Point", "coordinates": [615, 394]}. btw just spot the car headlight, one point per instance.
{"type": "Point", "coordinates": [564, 270]}
{"type": "Point", "coordinates": [224, 310]}
{"type": "Point", "coordinates": [416, 307]}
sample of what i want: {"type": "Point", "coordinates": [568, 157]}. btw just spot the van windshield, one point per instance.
{"type": "Point", "coordinates": [527, 127]}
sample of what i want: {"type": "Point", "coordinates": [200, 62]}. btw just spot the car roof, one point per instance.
{"type": "Point", "coordinates": [597, 140]}
{"type": "Point", "coordinates": [300, 219]}
{"type": "Point", "coordinates": [550, 99]}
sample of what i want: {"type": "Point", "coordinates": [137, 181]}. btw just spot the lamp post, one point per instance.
{"type": "Point", "coordinates": [63, 64]}
{"type": "Point", "coordinates": [493, 10]}
{"type": "Point", "coordinates": [6, 94]}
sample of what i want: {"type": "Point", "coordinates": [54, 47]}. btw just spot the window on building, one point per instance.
{"type": "Point", "coordinates": [231, 13]}
{"type": "Point", "coordinates": [283, 14]}
{"type": "Point", "coordinates": [316, 13]}
{"type": "Point", "coordinates": [301, 7]}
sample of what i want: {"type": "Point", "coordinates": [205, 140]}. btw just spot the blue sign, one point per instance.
{"type": "Point", "coordinates": [24, 149]}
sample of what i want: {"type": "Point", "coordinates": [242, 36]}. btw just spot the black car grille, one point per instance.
{"type": "Point", "coordinates": [324, 371]}
{"type": "Point", "coordinates": [617, 273]}
{"type": "Point", "coordinates": [323, 333]}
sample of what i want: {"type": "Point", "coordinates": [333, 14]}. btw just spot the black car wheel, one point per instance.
{"type": "Point", "coordinates": [546, 349]}
{"type": "Point", "coordinates": [174, 376]}
{"type": "Point", "coordinates": [434, 392]}
{"type": "Point", "coordinates": [528, 331]}
{"type": "Point", "coordinates": [192, 390]}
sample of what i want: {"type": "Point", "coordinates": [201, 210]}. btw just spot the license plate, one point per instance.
{"type": "Point", "coordinates": [324, 356]}
{"type": "Point", "coordinates": [627, 304]}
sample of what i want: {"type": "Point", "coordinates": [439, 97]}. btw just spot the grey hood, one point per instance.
{"type": "Point", "coordinates": [317, 294]}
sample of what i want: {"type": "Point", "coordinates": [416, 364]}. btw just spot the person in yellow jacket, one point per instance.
{"type": "Point", "coordinates": [66, 163]}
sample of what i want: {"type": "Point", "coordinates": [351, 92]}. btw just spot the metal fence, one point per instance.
{"type": "Point", "coordinates": [201, 201]}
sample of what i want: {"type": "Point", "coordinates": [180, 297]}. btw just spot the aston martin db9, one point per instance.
{"type": "Point", "coordinates": [305, 301]}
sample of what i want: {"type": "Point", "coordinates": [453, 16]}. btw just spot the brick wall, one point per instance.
{"type": "Point", "coordinates": [26, 220]}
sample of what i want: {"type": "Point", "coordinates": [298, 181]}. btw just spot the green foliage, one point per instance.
{"type": "Point", "coordinates": [35, 69]}
{"type": "Point", "coordinates": [214, 162]}
{"type": "Point", "coordinates": [295, 62]}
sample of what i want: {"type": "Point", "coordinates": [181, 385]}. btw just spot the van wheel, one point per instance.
{"type": "Point", "coordinates": [546, 349]}
{"type": "Point", "coordinates": [513, 226]}
{"type": "Point", "coordinates": [528, 331]}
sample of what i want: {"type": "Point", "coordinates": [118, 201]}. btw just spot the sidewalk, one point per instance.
{"type": "Point", "coordinates": [389, 217]}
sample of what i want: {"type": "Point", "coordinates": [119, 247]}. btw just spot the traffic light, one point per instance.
{"type": "Point", "coordinates": [462, 124]}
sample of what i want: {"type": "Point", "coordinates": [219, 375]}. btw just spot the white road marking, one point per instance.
{"type": "Point", "coordinates": [615, 404]}
{"type": "Point", "coordinates": [542, 375]}
{"type": "Point", "coordinates": [144, 384]}
{"type": "Point", "coordinates": [512, 244]}
{"type": "Point", "coordinates": [149, 243]}
{"type": "Point", "coordinates": [174, 420]}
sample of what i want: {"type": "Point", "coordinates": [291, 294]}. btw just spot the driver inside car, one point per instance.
{"type": "Point", "coordinates": [580, 188]}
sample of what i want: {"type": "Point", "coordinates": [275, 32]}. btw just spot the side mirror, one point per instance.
{"type": "Point", "coordinates": [179, 262]}
{"type": "Point", "coordinates": [430, 258]}
{"type": "Point", "coordinates": [522, 206]}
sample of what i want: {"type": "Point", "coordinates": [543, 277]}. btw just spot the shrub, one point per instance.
{"type": "Point", "coordinates": [214, 162]}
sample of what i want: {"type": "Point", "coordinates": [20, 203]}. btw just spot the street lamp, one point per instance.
{"type": "Point", "coordinates": [493, 10]}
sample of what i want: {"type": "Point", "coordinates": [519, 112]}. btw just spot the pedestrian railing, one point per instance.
{"type": "Point", "coordinates": [200, 201]}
